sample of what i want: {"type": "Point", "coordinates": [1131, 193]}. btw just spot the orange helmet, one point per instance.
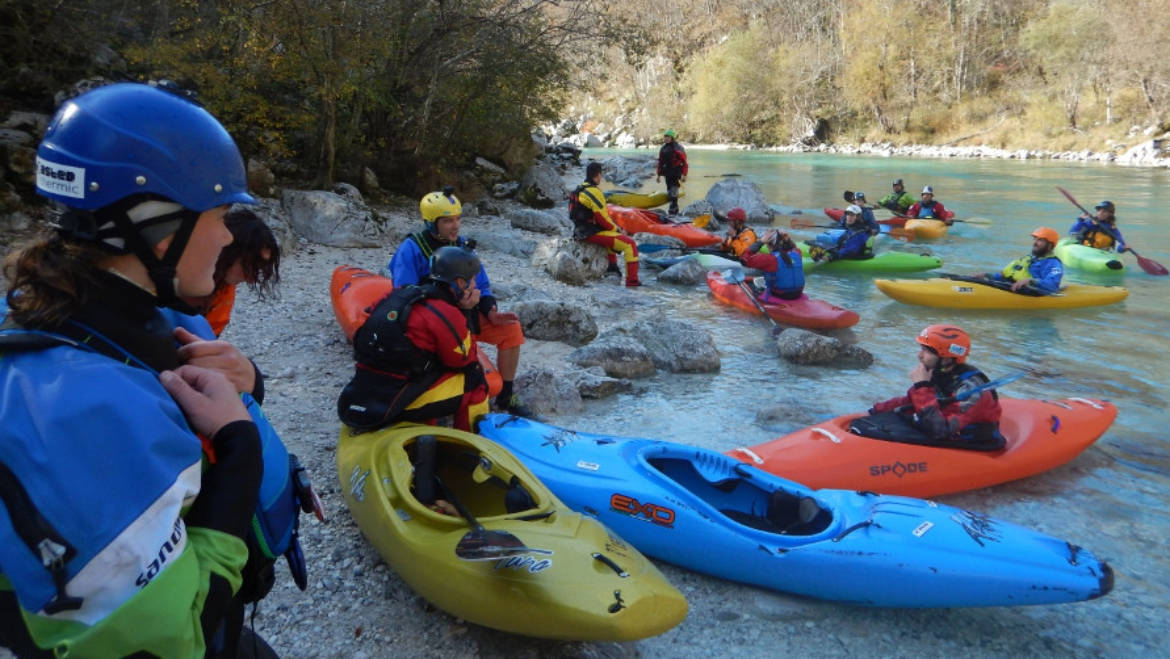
{"type": "Point", "coordinates": [1047, 233]}
{"type": "Point", "coordinates": [947, 341]}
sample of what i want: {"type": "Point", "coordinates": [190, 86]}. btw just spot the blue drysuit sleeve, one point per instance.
{"type": "Point", "coordinates": [408, 265]}
{"type": "Point", "coordinates": [1046, 274]}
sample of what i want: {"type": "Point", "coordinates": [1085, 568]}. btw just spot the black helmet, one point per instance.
{"type": "Point", "coordinates": [451, 263]}
{"type": "Point", "coordinates": [1107, 205]}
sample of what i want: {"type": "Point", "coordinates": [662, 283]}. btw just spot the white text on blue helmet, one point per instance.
{"type": "Point", "coordinates": [60, 180]}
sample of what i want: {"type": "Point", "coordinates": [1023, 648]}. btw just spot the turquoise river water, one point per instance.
{"type": "Point", "coordinates": [1113, 499]}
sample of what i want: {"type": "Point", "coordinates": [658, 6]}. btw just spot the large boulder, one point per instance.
{"type": "Point", "coordinates": [687, 272]}
{"type": "Point", "coordinates": [670, 242]}
{"type": "Point", "coordinates": [498, 239]}
{"type": "Point", "coordinates": [618, 356]}
{"type": "Point", "coordinates": [546, 393]}
{"type": "Point", "coordinates": [330, 219]}
{"type": "Point", "coordinates": [556, 321]}
{"type": "Point", "coordinates": [273, 213]}
{"type": "Point", "coordinates": [570, 261]}
{"type": "Point", "coordinates": [261, 180]}
{"type": "Point", "coordinates": [732, 192]}
{"type": "Point", "coordinates": [542, 187]}
{"type": "Point", "coordinates": [592, 382]}
{"type": "Point", "coordinates": [809, 348]}
{"type": "Point", "coordinates": [627, 171]}
{"type": "Point", "coordinates": [675, 345]}
{"type": "Point", "coordinates": [547, 222]}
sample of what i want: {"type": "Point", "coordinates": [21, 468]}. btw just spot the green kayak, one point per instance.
{"type": "Point", "coordinates": [883, 262]}
{"type": "Point", "coordinates": [1083, 257]}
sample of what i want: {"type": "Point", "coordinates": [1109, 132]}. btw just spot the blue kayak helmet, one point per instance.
{"type": "Point", "coordinates": [130, 164]}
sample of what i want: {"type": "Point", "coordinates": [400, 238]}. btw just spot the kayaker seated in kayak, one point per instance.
{"type": "Point", "coordinates": [739, 235]}
{"type": "Point", "coordinates": [594, 225]}
{"type": "Point", "coordinates": [1037, 273]}
{"type": "Point", "coordinates": [780, 261]}
{"type": "Point", "coordinates": [442, 214]}
{"type": "Point", "coordinates": [928, 208]}
{"type": "Point", "coordinates": [253, 258]}
{"type": "Point", "coordinates": [936, 409]}
{"type": "Point", "coordinates": [1100, 231]}
{"type": "Point", "coordinates": [866, 214]}
{"type": "Point", "coordinates": [853, 243]}
{"type": "Point", "coordinates": [898, 201]}
{"type": "Point", "coordinates": [415, 357]}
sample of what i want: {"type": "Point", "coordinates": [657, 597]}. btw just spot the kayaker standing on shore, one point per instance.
{"type": "Point", "coordinates": [442, 214]}
{"type": "Point", "coordinates": [672, 163]}
{"type": "Point", "coordinates": [899, 200]}
{"type": "Point", "coordinates": [594, 225]}
{"type": "Point", "coordinates": [853, 243]}
{"type": "Point", "coordinates": [253, 258]}
{"type": "Point", "coordinates": [928, 208]}
{"type": "Point", "coordinates": [415, 357]}
{"type": "Point", "coordinates": [739, 235]}
{"type": "Point", "coordinates": [935, 410]}
{"type": "Point", "coordinates": [1100, 231]}
{"type": "Point", "coordinates": [1039, 272]}
{"type": "Point", "coordinates": [780, 261]}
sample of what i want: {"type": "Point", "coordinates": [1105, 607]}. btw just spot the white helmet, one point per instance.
{"type": "Point", "coordinates": [854, 208]}
{"type": "Point", "coordinates": [928, 190]}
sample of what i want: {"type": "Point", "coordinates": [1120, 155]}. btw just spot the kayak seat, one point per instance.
{"type": "Point", "coordinates": [797, 515]}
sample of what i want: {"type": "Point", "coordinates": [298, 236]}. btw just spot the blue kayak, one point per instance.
{"type": "Point", "coordinates": [713, 514]}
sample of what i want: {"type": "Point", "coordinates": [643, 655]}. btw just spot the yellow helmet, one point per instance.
{"type": "Point", "coordinates": [439, 204]}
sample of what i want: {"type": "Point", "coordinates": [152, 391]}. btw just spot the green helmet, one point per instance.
{"type": "Point", "coordinates": [670, 133]}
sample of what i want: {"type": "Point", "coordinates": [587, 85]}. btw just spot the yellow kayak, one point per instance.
{"type": "Point", "coordinates": [927, 228]}
{"type": "Point", "coordinates": [568, 577]}
{"type": "Point", "coordinates": [960, 294]}
{"type": "Point", "coordinates": [638, 199]}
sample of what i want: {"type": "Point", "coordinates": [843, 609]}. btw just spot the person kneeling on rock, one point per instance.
{"type": "Point", "coordinates": [416, 359]}
{"type": "Point", "coordinates": [947, 404]}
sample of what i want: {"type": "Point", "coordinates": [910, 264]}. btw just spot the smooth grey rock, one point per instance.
{"type": "Point", "coordinates": [547, 393]}
{"type": "Point", "coordinates": [732, 192]}
{"type": "Point", "coordinates": [552, 222]}
{"type": "Point", "coordinates": [659, 239]}
{"type": "Point", "coordinates": [542, 187]}
{"type": "Point", "coordinates": [804, 347]}
{"type": "Point", "coordinates": [349, 191]}
{"type": "Point", "coordinates": [675, 345]}
{"type": "Point", "coordinates": [272, 212]}
{"type": "Point", "coordinates": [499, 239]}
{"type": "Point", "coordinates": [687, 272]}
{"type": "Point", "coordinates": [556, 321]}
{"type": "Point", "coordinates": [570, 261]}
{"type": "Point", "coordinates": [505, 190]}
{"type": "Point", "coordinates": [330, 219]}
{"type": "Point", "coordinates": [592, 382]}
{"type": "Point", "coordinates": [618, 356]}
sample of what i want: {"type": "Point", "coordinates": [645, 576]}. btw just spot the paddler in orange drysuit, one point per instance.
{"type": "Point", "coordinates": [252, 258]}
{"type": "Point", "coordinates": [739, 235]}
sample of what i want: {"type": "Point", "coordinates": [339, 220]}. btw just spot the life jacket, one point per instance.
{"type": "Point", "coordinates": [788, 276]}
{"type": "Point", "coordinates": [1098, 236]}
{"type": "Point", "coordinates": [672, 159]}
{"type": "Point", "coordinates": [284, 490]}
{"type": "Point", "coordinates": [381, 342]}
{"type": "Point", "coordinates": [925, 210]}
{"type": "Point", "coordinates": [583, 217]}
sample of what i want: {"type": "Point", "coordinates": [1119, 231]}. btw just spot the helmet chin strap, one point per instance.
{"type": "Point", "coordinates": [162, 271]}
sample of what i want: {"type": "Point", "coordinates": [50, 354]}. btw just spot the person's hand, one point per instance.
{"type": "Point", "coordinates": [497, 317]}
{"type": "Point", "coordinates": [469, 299]}
{"type": "Point", "coordinates": [206, 396]}
{"type": "Point", "coordinates": [1084, 216]}
{"type": "Point", "coordinates": [217, 355]}
{"type": "Point", "coordinates": [683, 179]}
{"type": "Point", "coordinates": [950, 221]}
{"type": "Point", "coordinates": [919, 373]}
{"type": "Point", "coordinates": [1021, 283]}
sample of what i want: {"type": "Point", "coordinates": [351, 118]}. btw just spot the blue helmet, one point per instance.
{"type": "Point", "coordinates": [128, 139]}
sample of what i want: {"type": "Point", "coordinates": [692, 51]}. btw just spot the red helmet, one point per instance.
{"type": "Point", "coordinates": [737, 214]}
{"type": "Point", "coordinates": [947, 341]}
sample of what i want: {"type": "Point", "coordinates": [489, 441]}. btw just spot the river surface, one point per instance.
{"type": "Point", "coordinates": [1113, 499]}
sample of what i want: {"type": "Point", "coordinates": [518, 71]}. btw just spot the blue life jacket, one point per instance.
{"type": "Point", "coordinates": [787, 278]}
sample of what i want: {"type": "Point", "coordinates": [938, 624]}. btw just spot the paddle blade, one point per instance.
{"type": "Point", "coordinates": [1151, 266]}
{"type": "Point", "coordinates": [801, 223]}
{"type": "Point", "coordinates": [848, 196]}
{"type": "Point", "coordinates": [903, 234]}
{"type": "Point", "coordinates": [733, 275]}
{"type": "Point", "coordinates": [483, 545]}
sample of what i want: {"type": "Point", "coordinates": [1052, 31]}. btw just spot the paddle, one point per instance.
{"type": "Point", "coordinates": [994, 384]}
{"type": "Point", "coordinates": [905, 235]}
{"type": "Point", "coordinates": [736, 276]}
{"type": "Point", "coordinates": [849, 197]}
{"type": "Point", "coordinates": [479, 544]}
{"type": "Point", "coordinates": [1001, 285]}
{"type": "Point", "coordinates": [650, 249]}
{"type": "Point", "coordinates": [1149, 265]}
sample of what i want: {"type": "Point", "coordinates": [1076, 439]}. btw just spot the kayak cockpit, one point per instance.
{"type": "Point", "coordinates": [744, 502]}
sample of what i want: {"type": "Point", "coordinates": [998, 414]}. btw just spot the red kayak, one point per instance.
{"type": "Point", "coordinates": [355, 291]}
{"type": "Point", "coordinates": [640, 220]}
{"type": "Point", "coordinates": [837, 213]}
{"type": "Point", "coordinates": [802, 312]}
{"type": "Point", "coordinates": [1040, 434]}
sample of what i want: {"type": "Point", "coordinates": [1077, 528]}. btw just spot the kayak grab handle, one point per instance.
{"type": "Point", "coordinates": [1088, 402]}
{"type": "Point", "coordinates": [826, 433]}
{"type": "Point", "coordinates": [610, 564]}
{"type": "Point", "coordinates": [751, 454]}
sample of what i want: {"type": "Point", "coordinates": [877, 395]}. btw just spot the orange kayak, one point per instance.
{"type": "Point", "coordinates": [804, 311]}
{"type": "Point", "coordinates": [354, 292]}
{"type": "Point", "coordinates": [639, 220]}
{"type": "Point", "coordinates": [1041, 435]}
